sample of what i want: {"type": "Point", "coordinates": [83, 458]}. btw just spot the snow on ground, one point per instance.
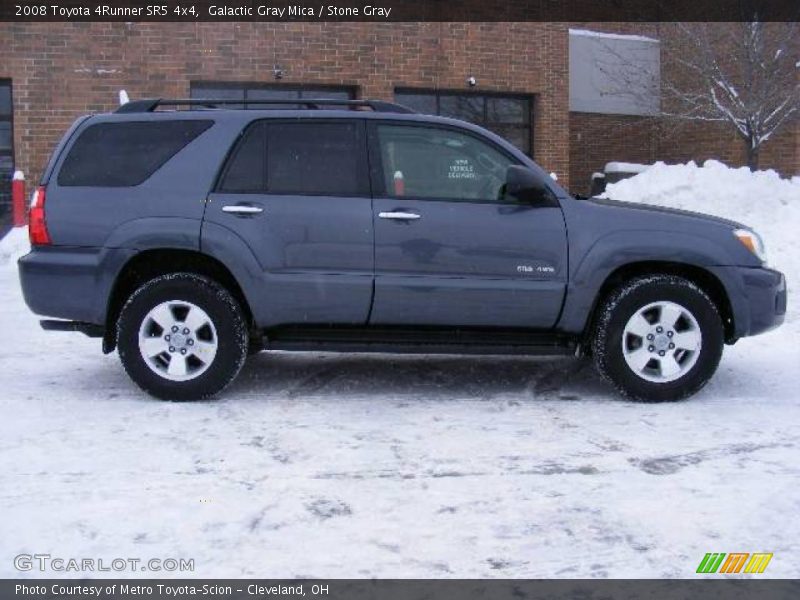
{"type": "Point", "coordinates": [385, 466]}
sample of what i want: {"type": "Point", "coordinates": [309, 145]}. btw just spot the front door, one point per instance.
{"type": "Point", "coordinates": [298, 194]}
{"type": "Point", "coordinates": [450, 248]}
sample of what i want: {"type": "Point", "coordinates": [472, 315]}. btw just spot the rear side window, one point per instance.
{"type": "Point", "coordinates": [246, 171]}
{"type": "Point", "coordinates": [125, 154]}
{"type": "Point", "coordinates": [311, 158]}
{"type": "Point", "coordinates": [308, 158]}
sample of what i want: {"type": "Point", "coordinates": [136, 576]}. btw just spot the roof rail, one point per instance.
{"type": "Point", "coordinates": [151, 104]}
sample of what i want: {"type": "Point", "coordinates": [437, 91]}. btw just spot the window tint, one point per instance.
{"type": "Point", "coordinates": [246, 171]}
{"type": "Point", "coordinates": [424, 162]}
{"type": "Point", "coordinates": [125, 154]}
{"type": "Point", "coordinates": [314, 158]}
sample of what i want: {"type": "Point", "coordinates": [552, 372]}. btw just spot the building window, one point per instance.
{"type": "Point", "coordinates": [507, 115]}
{"type": "Point", "coordinates": [256, 91]}
{"type": "Point", "coordinates": [614, 74]}
{"type": "Point", "coordinates": [6, 151]}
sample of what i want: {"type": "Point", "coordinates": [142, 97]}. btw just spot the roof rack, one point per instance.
{"type": "Point", "coordinates": [150, 105]}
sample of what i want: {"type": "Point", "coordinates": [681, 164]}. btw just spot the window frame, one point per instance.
{"type": "Point", "coordinates": [362, 166]}
{"type": "Point", "coordinates": [485, 123]}
{"type": "Point", "coordinates": [376, 161]}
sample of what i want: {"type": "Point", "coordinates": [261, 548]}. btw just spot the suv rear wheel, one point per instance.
{"type": "Point", "coordinates": [658, 338]}
{"type": "Point", "coordinates": [182, 337]}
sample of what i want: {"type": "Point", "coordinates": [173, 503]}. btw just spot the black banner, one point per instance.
{"type": "Point", "coordinates": [399, 10]}
{"type": "Point", "coordinates": [348, 589]}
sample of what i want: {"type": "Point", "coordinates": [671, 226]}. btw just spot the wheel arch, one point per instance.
{"type": "Point", "coordinates": [152, 263]}
{"type": "Point", "coordinates": [704, 279]}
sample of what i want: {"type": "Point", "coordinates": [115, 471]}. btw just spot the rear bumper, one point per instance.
{"type": "Point", "coordinates": [757, 297]}
{"type": "Point", "coordinates": [69, 283]}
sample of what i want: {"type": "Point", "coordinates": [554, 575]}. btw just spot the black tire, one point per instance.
{"type": "Point", "coordinates": [626, 301]}
{"type": "Point", "coordinates": [226, 315]}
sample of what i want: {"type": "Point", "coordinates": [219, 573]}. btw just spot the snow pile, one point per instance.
{"type": "Point", "coordinates": [13, 245]}
{"type": "Point", "coordinates": [761, 200]}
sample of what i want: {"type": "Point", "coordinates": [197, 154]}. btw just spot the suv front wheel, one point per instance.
{"type": "Point", "coordinates": [658, 338]}
{"type": "Point", "coordinates": [182, 337]}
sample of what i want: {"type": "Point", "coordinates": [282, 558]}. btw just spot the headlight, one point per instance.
{"type": "Point", "coordinates": [752, 241]}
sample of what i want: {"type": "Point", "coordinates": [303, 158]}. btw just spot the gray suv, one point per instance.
{"type": "Point", "coordinates": [190, 237]}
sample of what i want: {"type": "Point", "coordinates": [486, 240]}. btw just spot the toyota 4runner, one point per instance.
{"type": "Point", "coordinates": [188, 238]}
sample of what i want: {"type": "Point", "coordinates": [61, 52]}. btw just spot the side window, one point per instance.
{"type": "Point", "coordinates": [247, 168]}
{"type": "Point", "coordinates": [427, 162]}
{"type": "Point", "coordinates": [127, 153]}
{"type": "Point", "coordinates": [315, 159]}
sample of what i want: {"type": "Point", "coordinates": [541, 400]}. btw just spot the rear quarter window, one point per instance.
{"type": "Point", "coordinates": [125, 154]}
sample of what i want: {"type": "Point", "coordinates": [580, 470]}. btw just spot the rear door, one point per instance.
{"type": "Point", "coordinates": [297, 192]}
{"type": "Point", "coordinates": [450, 249]}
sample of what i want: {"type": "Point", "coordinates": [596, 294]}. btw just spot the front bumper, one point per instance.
{"type": "Point", "coordinates": [757, 297]}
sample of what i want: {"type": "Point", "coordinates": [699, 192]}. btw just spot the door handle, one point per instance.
{"type": "Point", "coordinates": [242, 209]}
{"type": "Point", "coordinates": [399, 216]}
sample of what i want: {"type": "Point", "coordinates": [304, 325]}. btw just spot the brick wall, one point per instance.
{"type": "Point", "coordinates": [60, 71]}
{"type": "Point", "coordinates": [598, 139]}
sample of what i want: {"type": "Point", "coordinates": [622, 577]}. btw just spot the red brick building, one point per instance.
{"type": "Point", "coordinates": [52, 72]}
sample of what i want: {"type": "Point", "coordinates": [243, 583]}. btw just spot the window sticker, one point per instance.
{"type": "Point", "coordinates": [461, 168]}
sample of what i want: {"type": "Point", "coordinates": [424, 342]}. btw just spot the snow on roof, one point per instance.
{"type": "Point", "coordinates": [612, 36]}
{"type": "Point", "coordinates": [624, 167]}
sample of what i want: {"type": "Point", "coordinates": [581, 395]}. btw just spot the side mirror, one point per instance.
{"type": "Point", "coordinates": [525, 186]}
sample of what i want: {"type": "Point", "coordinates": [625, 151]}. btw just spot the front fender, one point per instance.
{"type": "Point", "coordinates": [593, 266]}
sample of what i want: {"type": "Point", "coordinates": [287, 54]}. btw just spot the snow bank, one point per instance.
{"type": "Point", "coordinates": [13, 245]}
{"type": "Point", "coordinates": [761, 200]}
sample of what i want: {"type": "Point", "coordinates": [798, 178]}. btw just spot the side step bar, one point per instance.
{"type": "Point", "coordinates": [90, 329]}
{"type": "Point", "coordinates": [405, 341]}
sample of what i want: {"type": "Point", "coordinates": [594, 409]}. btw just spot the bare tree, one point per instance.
{"type": "Point", "coordinates": [746, 75]}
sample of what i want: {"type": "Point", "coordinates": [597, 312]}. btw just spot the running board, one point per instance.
{"type": "Point", "coordinates": [418, 341]}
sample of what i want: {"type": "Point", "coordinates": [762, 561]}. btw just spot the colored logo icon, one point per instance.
{"type": "Point", "coordinates": [736, 562]}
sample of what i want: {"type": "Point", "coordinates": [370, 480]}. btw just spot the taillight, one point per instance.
{"type": "Point", "coordinates": [37, 228]}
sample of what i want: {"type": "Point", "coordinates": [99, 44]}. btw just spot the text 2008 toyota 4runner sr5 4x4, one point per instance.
{"type": "Point", "coordinates": [188, 238]}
